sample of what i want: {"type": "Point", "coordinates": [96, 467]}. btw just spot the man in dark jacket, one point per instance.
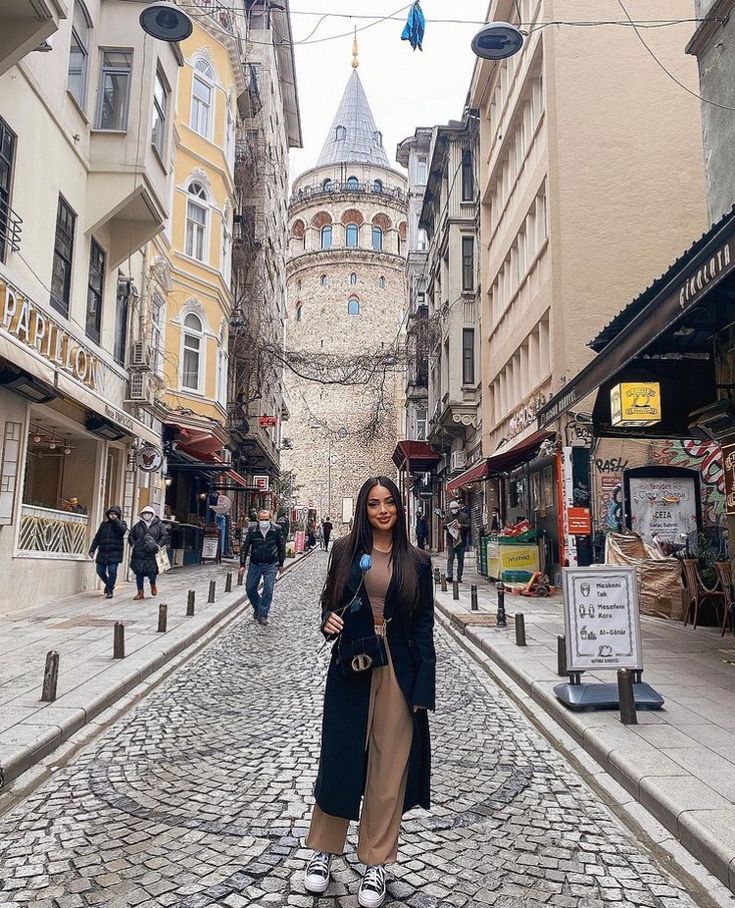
{"type": "Point", "coordinates": [327, 528]}
{"type": "Point", "coordinates": [108, 542]}
{"type": "Point", "coordinates": [266, 546]}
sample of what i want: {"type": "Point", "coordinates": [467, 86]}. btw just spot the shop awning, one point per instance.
{"type": "Point", "coordinates": [415, 456]}
{"type": "Point", "coordinates": [203, 443]}
{"type": "Point", "coordinates": [511, 457]}
{"type": "Point", "coordinates": [239, 480]}
{"type": "Point", "coordinates": [476, 472]}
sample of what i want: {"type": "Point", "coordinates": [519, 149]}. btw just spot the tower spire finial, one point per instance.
{"type": "Point", "coordinates": [355, 60]}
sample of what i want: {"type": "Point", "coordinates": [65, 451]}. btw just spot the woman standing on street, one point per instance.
{"type": "Point", "coordinates": [147, 538]}
{"type": "Point", "coordinates": [379, 597]}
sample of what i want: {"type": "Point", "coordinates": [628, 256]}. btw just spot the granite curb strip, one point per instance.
{"type": "Point", "coordinates": [21, 758]}
{"type": "Point", "coordinates": [673, 809]}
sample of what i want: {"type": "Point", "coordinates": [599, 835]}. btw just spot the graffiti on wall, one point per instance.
{"type": "Point", "coordinates": [706, 457]}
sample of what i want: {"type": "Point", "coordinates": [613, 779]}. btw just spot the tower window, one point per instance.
{"type": "Point", "coordinates": [378, 137]}
{"type": "Point", "coordinates": [353, 279]}
{"type": "Point", "coordinates": [327, 185]}
{"type": "Point", "coordinates": [299, 307]}
{"type": "Point", "coordinates": [381, 282]}
{"type": "Point", "coordinates": [353, 184]}
{"type": "Point", "coordinates": [377, 185]}
{"type": "Point", "coordinates": [353, 306]}
{"type": "Point", "coordinates": [340, 133]}
{"type": "Point", "coordinates": [326, 237]}
{"type": "Point", "coordinates": [377, 239]}
{"type": "Point", "coordinates": [324, 280]}
{"type": "Point", "coordinates": [352, 233]}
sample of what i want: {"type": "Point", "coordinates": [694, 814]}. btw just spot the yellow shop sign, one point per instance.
{"type": "Point", "coordinates": [635, 403]}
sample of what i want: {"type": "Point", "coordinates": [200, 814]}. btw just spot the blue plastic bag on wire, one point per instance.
{"type": "Point", "coordinates": [414, 28]}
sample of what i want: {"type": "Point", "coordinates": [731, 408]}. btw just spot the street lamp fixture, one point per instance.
{"type": "Point", "coordinates": [166, 21]}
{"type": "Point", "coordinates": [497, 40]}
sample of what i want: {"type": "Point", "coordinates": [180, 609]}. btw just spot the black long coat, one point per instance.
{"type": "Point", "coordinates": [340, 782]}
{"type": "Point", "coordinates": [109, 539]}
{"type": "Point", "coordinates": [146, 541]}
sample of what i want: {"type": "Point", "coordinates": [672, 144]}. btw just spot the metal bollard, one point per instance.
{"type": "Point", "coordinates": [228, 582]}
{"type": "Point", "coordinates": [561, 656]}
{"type": "Point", "coordinates": [626, 697]}
{"type": "Point", "coordinates": [437, 575]}
{"type": "Point", "coordinates": [240, 577]}
{"type": "Point", "coordinates": [190, 603]}
{"type": "Point", "coordinates": [455, 590]}
{"type": "Point", "coordinates": [118, 641]}
{"type": "Point", "coordinates": [50, 677]}
{"type": "Point", "coordinates": [444, 583]}
{"type": "Point", "coordinates": [212, 590]}
{"type": "Point", "coordinates": [473, 598]}
{"type": "Point", "coordinates": [501, 621]}
{"type": "Point", "coordinates": [162, 618]}
{"type": "Point", "coordinates": [520, 622]}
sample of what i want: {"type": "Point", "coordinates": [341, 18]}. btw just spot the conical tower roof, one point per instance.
{"type": "Point", "coordinates": [354, 138]}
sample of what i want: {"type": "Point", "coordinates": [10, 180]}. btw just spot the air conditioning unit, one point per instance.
{"type": "Point", "coordinates": [140, 388]}
{"type": "Point", "coordinates": [458, 460]}
{"type": "Point", "coordinates": [140, 356]}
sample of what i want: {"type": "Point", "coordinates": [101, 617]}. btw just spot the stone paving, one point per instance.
{"type": "Point", "coordinates": [201, 795]}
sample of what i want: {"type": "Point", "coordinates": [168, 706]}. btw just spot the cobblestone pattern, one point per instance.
{"type": "Point", "coordinates": [201, 796]}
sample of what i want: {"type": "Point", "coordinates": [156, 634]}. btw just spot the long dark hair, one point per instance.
{"type": "Point", "coordinates": [360, 541]}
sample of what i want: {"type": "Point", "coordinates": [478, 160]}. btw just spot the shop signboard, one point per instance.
{"type": "Point", "coordinates": [728, 465]}
{"type": "Point", "coordinates": [635, 403]}
{"type": "Point", "coordinates": [601, 618]}
{"type": "Point", "coordinates": [149, 458]}
{"type": "Point", "coordinates": [298, 541]}
{"type": "Point", "coordinates": [267, 422]}
{"type": "Point", "coordinates": [210, 545]}
{"type": "Point", "coordinates": [579, 521]}
{"type": "Point", "coordinates": [666, 507]}
{"type": "Point", "coordinates": [262, 482]}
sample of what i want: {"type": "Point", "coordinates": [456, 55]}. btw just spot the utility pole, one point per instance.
{"type": "Point", "coordinates": [329, 476]}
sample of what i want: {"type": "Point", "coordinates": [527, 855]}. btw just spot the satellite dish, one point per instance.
{"type": "Point", "coordinates": [166, 21]}
{"type": "Point", "coordinates": [497, 40]}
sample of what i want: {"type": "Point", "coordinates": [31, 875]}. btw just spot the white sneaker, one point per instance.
{"type": "Point", "coordinates": [372, 889]}
{"type": "Point", "coordinates": [317, 873]}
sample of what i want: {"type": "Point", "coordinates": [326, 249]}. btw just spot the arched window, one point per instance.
{"type": "Point", "coordinates": [353, 183]}
{"type": "Point", "coordinates": [326, 237]}
{"type": "Point", "coordinates": [191, 359]}
{"type": "Point", "coordinates": [377, 186]}
{"type": "Point", "coordinates": [197, 213]}
{"type": "Point", "coordinates": [327, 185]}
{"type": "Point", "coordinates": [298, 285]}
{"type": "Point", "coordinates": [352, 234]}
{"type": "Point", "coordinates": [340, 133]}
{"type": "Point", "coordinates": [381, 282]}
{"type": "Point", "coordinates": [353, 306]}
{"type": "Point", "coordinates": [202, 94]}
{"type": "Point", "coordinates": [324, 280]}
{"type": "Point", "coordinates": [299, 307]}
{"type": "Point", "coordinates": [378, 137]}
{"type": "Point", "coordinates": [353, 279]}
{"type": "Point", "coordinates": [377, 239]}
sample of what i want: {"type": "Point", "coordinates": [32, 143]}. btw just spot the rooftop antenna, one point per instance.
{"type": "Point", "coordinates": [355, 60]}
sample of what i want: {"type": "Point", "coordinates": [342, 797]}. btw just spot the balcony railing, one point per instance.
{"type": "Point", "coordinates": [219, 13]}
{"type": "Point", "coordinates": [311, 192]}
{"type": "Point", "coordinates": [10, 230]}
{"type": "Point", "coordinates": [57, 534]}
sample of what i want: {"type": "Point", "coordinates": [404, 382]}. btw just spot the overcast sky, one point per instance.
{"type": "Point", "coordinates": [405, 89]}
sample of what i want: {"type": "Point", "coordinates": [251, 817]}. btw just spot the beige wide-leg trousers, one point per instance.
{"type": "Point", "coordinates": [389, 738]}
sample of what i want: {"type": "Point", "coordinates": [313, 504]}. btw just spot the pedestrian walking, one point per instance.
{"type": "Point", "coordinates": [327, 528]}
{"type": "Point", "coordinates": [148, 537]}
{"type": "Point", "coordinates": [378, 607]}
{"type": "Point", "coordinates": [311, 535]}
{"type": "Point", "coordinates": [422, 530]}
{"type": "Point", "coordinates": [108, 542]}
{"type": "Point", "coordinates": [456, 528]}
{"type": "Point", "coordinates": [266, 546]}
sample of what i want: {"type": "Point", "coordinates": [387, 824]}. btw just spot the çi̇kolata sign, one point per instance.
{"type": "Point", "coordinates": [601, 618]}
{"type": "Point", "coordinates": [26, 323]}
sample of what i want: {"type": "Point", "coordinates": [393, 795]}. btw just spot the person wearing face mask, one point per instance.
{"type": "Point", "coordinates": [266, 546]}
{"type": "Point", "coordinates": [108, 542]}
{"type": "Point", "coordinates": [147, 537]}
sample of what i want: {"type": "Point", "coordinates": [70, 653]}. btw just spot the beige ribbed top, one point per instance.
{"type": "Point", "coordinates": [376, 582]}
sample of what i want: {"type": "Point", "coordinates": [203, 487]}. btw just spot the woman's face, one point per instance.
{"type": "Point", "coordinates": [381, 508]}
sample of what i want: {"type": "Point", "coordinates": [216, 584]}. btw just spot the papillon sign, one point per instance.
{"type": "Point", "coordinates": [602, 618]}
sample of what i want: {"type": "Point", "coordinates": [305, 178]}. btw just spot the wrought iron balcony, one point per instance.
{"type": "Point", "coordinates": [349, 187]}
{"type": "Point", "coordinates": [219, 13]}
{"type": "Point", "coordinates": [10, 230]}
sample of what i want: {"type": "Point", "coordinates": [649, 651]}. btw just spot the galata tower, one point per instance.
{"type": "Point", "coordinates": [346, 296]}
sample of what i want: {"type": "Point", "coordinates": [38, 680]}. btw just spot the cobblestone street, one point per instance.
{"type": "Point", "coordinates": [201, 796]}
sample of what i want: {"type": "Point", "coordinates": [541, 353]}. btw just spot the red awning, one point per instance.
{"type": "Point", "coordinates": [238, 479]}
{"type": "Point", "coordinates": [416, 456]}
{"type": "Point", "coordinates": [198, 454]}
{"type": "Point", "coordinates": [199, 441]}
{"type": "Point", "coordinates": [476, 472]}
{"type": "Point", "coordinates": [525, 450]}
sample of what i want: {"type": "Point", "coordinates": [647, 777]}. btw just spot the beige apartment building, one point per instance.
{"type": "Point", "coordinates": [591, 180]}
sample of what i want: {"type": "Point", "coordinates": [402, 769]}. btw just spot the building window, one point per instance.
{"type": "Point", "coordinates": [353, 279]}
{"type": "Point", "coordinates": [299, 307]}
{"type": "Point", "coordinates": [353, 306]}
{"type": "Point", "coordinates": [95, 285]}
{"type": "Point", "coordinates": [157, 325]}
{"type": "Point", "coordinates": [122, 309]}
{"type": "Point", "coordinates": [421, 418]}
{"type": "Point", "coordinates": [381, 282]}
{"type": "Point", "coordinates": [352, 234]}
{"type": "Point", "coordinates": [340, 133]}
{"type": "Point", "coordinates": [63, 249]}
{"type": "Point", "coordinates": [226, 253]}
{"type": "Point", "coordinates": [468, 356]}
{"type": "Point", "coordinates": [160, 109]}
{"type": "Point", "coordinates": [324, 280]}
{"type": "Point", "coordinates": [7, 161]}
{"type": "Point", "coordinates": [76, 80]}
{"type": "Point", "coordinates": [468, 177]}
{"type": "Point", "coordinates": [326, 237]}
{"type": "Point", "coordinates": [421, 239]}
{"type": "Point", "coordinates": [378, 137]}
{"type": "Point", "coordinates": [191, 360]}
{"type": "Point", "coordinates": [196, 221]}
{"type": "Point", "coordinates": [353, 184]}
{"type": "Point", "coordinates": [422, 169]}
{"type": "Point", "coordinates": [201, 98]}
{"type": "Point", "coordinates": [222, 370]}
{"type": "Point", "coordinates": [327, 185]}
{"type": "Point", "coordinates": [377, 186]}
{"type": "Point", "coordinates": [468, 263]}
{"type": "Point", "coordinates": [230, 148]}
{"type": "Point", "coordinates": [377, 239]}
{"type": "Point", "coordinates": [117, 66]}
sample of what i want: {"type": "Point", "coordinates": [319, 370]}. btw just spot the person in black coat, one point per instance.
{"type": "Point", "coordinates": [108, 542]}
{"type": "Point", "coordinates": [147, 538]}
{"type": "Point", "coordinates": [378, 586]}
{"type": "Point", "coordinates": [422, 531]}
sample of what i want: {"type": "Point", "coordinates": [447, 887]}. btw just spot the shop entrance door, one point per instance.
{"type": "Point", "coordinates": [112, 490]}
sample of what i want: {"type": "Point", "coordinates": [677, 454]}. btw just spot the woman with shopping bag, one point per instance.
{"type": "Point", "coordinates": [149, 539]}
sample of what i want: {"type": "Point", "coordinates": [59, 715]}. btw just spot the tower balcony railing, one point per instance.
{"type": "Point", "coordinates": [220, 13]}
{"type": "Point", "coordinates": [335, 187]}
